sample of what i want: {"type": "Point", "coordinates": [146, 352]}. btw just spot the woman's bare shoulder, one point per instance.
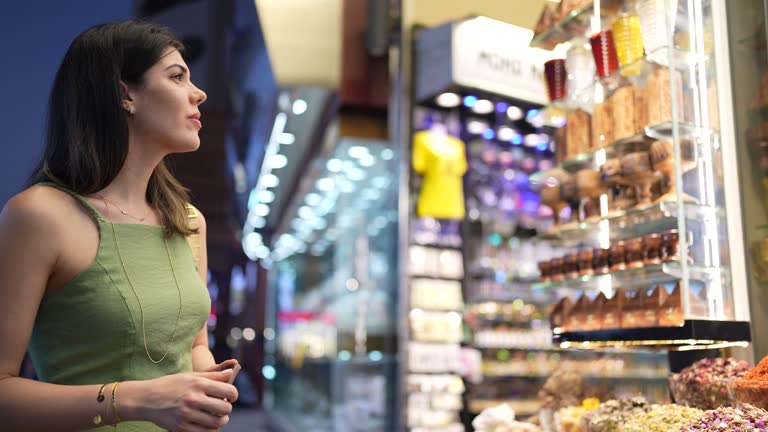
{"type": "Point", "coordinates": [37, 206]}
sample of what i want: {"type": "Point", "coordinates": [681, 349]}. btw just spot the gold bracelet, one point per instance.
{"type": "Point", "coordinates": [114, 402]}
{"type": "Point", "coordinates": [98, 419]}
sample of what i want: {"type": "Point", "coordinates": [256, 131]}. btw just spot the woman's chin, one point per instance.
{"type": "Point", "coordinates": [186, 147]}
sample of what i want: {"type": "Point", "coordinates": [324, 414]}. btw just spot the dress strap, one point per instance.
{"type": "Point", "coordinates": [91, 209]}
{"type": "Point", "coordinates": [194, 239]}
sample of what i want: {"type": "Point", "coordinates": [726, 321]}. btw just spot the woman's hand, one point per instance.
{"type": "Point", "coordinates": [187, 402]}
{"type": "Point", "coordinates": [226, 364]}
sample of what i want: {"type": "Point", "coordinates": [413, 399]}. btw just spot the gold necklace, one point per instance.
{"type": "Point", "coordinates": [121, 210]}
{"type": "Point", "coordinates": [138, 300]}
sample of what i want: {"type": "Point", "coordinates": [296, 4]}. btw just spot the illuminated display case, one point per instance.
{"type": "Point", "coordinates": [331, 357]}
{"type": "Point", "coordinates": [653, 241]}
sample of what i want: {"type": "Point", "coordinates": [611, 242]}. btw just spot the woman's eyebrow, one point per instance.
{"type": "Point", "coordinates": [183, 69]}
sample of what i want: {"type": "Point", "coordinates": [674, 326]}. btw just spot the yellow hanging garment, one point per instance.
{"type": "Point", "coordinates": [441, 160]}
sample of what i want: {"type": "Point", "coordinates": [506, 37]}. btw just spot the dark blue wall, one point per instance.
{"type": "Point", "coordinates": [33, 38]}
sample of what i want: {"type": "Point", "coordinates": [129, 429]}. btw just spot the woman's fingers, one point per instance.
{"type": "Point", "coordinates": [226, 364]}
{"type": "Point", "coordinates": [215, 406]}
{"type": "Point", "coordinates": [206, 419]}
{"type": "Point", "coordinates": [219, 390]}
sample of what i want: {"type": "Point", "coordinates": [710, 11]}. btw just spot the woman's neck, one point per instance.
{"type": "Point", "coordinates": [129, 188]}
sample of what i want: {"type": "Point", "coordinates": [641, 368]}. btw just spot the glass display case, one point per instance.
{"type": "Point", "coordinates": [332, 334]}
{"type": "Point", "coordinates": [640, 192]}
{"type": "Point", "coordinates": [749, 67]}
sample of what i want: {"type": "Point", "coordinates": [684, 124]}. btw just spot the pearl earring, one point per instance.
{"type": "Point", "coordinates": [131, 110]}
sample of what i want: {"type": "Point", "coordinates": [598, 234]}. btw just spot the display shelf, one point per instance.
{"type": "Point", "coordinates": [659, 217]}
{"type": "Point", "coordinates": [499, 276]}
{"type": "Point", "coordinates": [513, 294]}
{"type": "Point", "coordinates": [576, 23]}
{"type": "Point", "coordinates": [520, 406]}
{"type": "Point", "coordinates": [685, 131]}
{"type": "Point", "coordinates": [593, 377]}
{"type": "Point", "coordinates": [641, 141]}
{"type": "Point", "coordinates": [573, 350]}
{"type": "Point", "coordinates": [437, 245]}
{"type": "Point", "coordinates": [425, 275]}
{"type": "Point", "coordinates": [693, 334]}
{"type": "Point", "coordinates": [503, 322]}
{"type": "Point", "coordinates": [633, 73]}
{"type": "Point", "coordinates": [644, 277]}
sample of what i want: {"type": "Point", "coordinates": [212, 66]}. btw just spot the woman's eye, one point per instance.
{"type": "Point", "coordinates": [178, 77]}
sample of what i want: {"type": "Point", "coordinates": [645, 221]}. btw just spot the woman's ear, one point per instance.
{"type": "Point", "coordinates": [126, 98]}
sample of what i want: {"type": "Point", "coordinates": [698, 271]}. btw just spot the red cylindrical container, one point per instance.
{"type": "Point", "coordinates": [556, 75]}
{"type": "Point", "coordinates": [604, 52]}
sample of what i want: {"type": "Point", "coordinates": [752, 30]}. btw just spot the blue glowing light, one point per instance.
{"type": "Point", "coordinates": [470, 101]}
{"type": "Point", "coordinates": [531, 202]}
{"type": "Point", "coordinates": [517, 139]}
{"type": "Point", "coordinates": [269, 372]}
{"type": "Point", "coordinates": [500, 277]}
{"type": "Point", "coordinates": [375, 355]}
{"type": "Point", "coordinates": [542, 146]}
{"type": "Point", "coordinates": [489, 134]}
{"type": "Point", "coordinates": [532, 113]}
{"type": "Point", "coordinates": [502, 107]}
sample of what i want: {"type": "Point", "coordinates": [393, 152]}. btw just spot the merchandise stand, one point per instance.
{"type": "Point", "coordinates": [639, 176]}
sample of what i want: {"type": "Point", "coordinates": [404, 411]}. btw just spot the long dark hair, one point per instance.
{"type": "Point", "coordinates": [87, 131]}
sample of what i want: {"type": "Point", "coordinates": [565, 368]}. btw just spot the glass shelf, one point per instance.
{"type": "Point", "coordinates": [520, 406]}
{"type": "Point", "coordinates": [684, 60]}
{"type": "Point", "coordinates": [576, 23]}
{"type": "Point", "coordinates": [534, 375]}
{"type": "Point", "coordinates": [684, 130]}
{"type": "Point", "coordinates": [640, 141]}
{"type": "Point", "coordinates": [573, 352]}
{"type": "Point", "coordinates": [499, 276]}
{"type": "Point", "coordinates": [692, 335]}
{"type": "Point", "coordinates": [644, 277]}
{"type": "Point", "coordinates": [510, 294]}
{"type": "Point", "coordinates": [636, 223]}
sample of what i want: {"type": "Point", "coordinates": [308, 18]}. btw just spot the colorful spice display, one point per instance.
{"type": "Point", "coordinates": [753, 387]}
{"type": "Point", "coordinates": [746, 418]}
{"type": "Point", "coordinates": [562, 389]}
{"type": "Point", "coordinates": [704, 384]}
{"type": "Point", "coordinates": [569, 419]}
{"type": "Point", "coordinates": [611, 415]}
{"type": "Point", "coordinates": [662, 418]}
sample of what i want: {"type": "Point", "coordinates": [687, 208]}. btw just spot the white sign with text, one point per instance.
{"type": "Point", "coordinates": [494, 56]}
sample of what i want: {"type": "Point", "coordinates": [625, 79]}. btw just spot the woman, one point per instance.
{"type": "Point", "coordinates": [97, 278]}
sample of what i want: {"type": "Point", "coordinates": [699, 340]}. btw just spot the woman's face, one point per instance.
{"type": "Point", "coordinates": [166, 106]}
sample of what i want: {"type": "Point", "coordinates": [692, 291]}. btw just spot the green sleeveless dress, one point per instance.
{"type": "Point", "coordinates": [90, 331]}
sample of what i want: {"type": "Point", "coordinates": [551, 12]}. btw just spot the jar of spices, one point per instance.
{"type": "Point", "coordinates": [545, 268]}
{"type": "Point", "coordinates": [602, 263]}
{"type": "Point", "coordinates": [635, 253]}
{"type": "Point", "coordinates": [571, 265]}
{"type": "Point", "coordinates": [557, 268]}
{"type": "Point", "coordinates": [586, 262]}
{"type": "Point", "coordinates": [653, 250]}
{"type": "Point", "coordinates": [617, 256]}
{"type": "Point", "coordinates": [670, 242]}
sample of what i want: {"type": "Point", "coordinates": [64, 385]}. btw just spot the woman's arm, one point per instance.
{"type": "Point", "coordinates": [30, 245]}
{"type": "Point", "coordinates": [202, 358]}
